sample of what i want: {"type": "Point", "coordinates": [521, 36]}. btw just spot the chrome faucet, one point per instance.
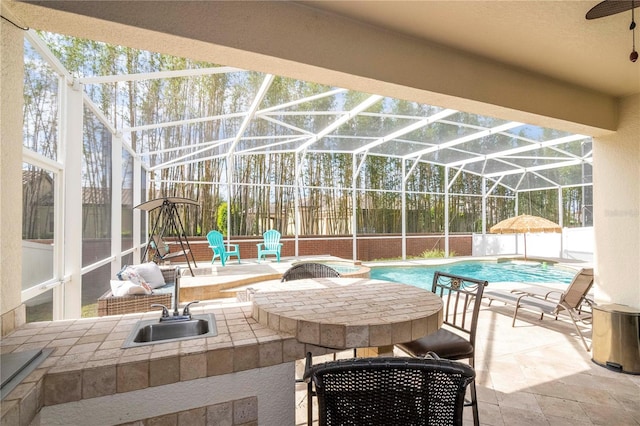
{"type": "Point", "coordinates": [186, 313]}
{"type": "Point", "coordinates": [176, 293]}
{"type": "Point", "coordinates": [165, 310]}
{"type": "Point", "coordinates": [185, 316]}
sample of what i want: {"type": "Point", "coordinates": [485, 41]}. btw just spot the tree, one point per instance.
{"type": "Point", "coordinates": [221, 220]}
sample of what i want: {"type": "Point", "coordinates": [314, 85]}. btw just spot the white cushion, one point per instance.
{"type": "Point", "coordinates": [128, 273]}
{"type": "Point", "coordinates": [125, 288]}
{"type": "Point", "coordinates": [151, 273]}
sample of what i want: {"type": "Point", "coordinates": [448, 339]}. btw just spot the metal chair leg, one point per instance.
{"type": "Point", "coordinates": [309, 404]}
{"type": "Point", "coordinates": [474, 397]}
{"type": "Point", "coordinates": [310, 393]}
{"type": "Point", "coordinates": [474, 403]}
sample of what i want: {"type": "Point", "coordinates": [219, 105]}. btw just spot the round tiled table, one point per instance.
{"type": "Point", "coordinates": [341, 313]}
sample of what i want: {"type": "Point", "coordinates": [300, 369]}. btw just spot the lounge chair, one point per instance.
{"type": "Point", "coordinates": [271, 245]}
{"type": "Point", "coordinates": [573, 301]}
{"type": "Point", "coordinates": [220, 249]}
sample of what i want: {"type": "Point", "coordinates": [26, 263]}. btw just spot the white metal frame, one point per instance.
{"type": "Point", "coordinates": [68, 268]}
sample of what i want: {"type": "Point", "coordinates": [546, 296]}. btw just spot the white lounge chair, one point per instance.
{"type": "Point", "coordinates": [573, 301]}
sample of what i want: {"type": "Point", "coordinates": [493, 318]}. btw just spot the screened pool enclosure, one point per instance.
{"type": "Point", "coordinates": [107, 128]}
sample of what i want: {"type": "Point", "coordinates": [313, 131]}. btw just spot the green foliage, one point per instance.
{"type": "Point", "coordinates": [221, 220]}
{"type": "Point", "coordinates": [436, 253]}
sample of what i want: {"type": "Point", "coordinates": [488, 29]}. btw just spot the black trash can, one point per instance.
{"type": "Point", "coordinates": [616, 338]}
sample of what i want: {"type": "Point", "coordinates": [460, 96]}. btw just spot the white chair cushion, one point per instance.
{"type": "Point", "coordinates": [151, 273]}
{"type": "Point", "coordinates": [126, 288]}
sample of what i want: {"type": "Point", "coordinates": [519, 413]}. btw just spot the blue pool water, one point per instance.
{"type": "Point", "coordinates": [342, 268]}
{"type": "Point", "coordinates": [422, 276]}
{"type": "Point", "coordinates": [345, 269]}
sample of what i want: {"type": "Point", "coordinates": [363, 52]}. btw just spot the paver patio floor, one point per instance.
{"type": "Point", "coordinates": [537, 373]}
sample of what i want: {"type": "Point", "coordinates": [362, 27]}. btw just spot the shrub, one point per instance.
{"type": "Point", "coordinates": [430, 254]}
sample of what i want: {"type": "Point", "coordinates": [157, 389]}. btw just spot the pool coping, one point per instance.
{"type": "Point", "coordinates": [225, 286]}
{"type": "Point", "coordinates": [569, 263]}
{"type": "Point", "coordinates": [235, 285]}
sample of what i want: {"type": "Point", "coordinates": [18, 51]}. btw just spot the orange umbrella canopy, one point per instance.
{"type": "Point", "coordinates": [523, 224]}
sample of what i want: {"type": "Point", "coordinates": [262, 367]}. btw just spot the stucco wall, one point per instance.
{"type": "Point", "coordinates": [616, 200]}
{"type": "Point", "coordinates": [11, 101]}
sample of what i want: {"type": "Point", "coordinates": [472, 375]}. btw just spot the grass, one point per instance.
{"type": "Point", "coordinates": [427, 254]}
{"type": "Point", "coordinates": [44, 312]}
{"type": "Point", "coordinates": [89, 311]}
{"type": "Point", "coordinates": [40, 312]}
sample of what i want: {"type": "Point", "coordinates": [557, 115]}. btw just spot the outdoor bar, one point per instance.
{"type": "Point", "coordinates": [229, 210]}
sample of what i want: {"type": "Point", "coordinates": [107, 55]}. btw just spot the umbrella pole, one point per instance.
{"type": "Point", "coordinates": [525, 246]}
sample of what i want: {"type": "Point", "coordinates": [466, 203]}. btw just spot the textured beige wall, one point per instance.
{"type": "Point", "coordinates": [11, 100]}
{"type": "Point", "coordinates": [616, 199]}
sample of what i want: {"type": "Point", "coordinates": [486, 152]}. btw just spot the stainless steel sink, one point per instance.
{"type": "Point", "coordinates": [149, 332]}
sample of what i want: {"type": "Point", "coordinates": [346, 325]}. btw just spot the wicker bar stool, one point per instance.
{"type": "Point", "coordinates": [309, 270]}
{"type": "Point", "coordinates": [457, 340]}
{"type": "Point", "coordinates": [388, 391]}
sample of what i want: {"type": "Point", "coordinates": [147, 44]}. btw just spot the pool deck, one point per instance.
{"type": "Point", "coordinates": [536, 373]}
{"type": "Point", "coordinates": [214, 281]}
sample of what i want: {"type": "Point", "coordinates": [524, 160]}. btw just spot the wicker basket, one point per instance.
{"type": "Point", "coordinates": [111, 305]}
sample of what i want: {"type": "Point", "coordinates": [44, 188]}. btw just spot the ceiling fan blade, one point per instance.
{"type": "Point", "coordinates": [610, 7]}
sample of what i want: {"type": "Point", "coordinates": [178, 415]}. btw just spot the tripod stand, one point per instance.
{"type": "Point", "coordinates": [168, 220]}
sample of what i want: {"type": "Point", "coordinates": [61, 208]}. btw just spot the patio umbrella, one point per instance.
{"type": "Point", "coordinates": [522, 225]}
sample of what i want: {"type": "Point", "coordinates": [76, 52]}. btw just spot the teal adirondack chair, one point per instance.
{"type": "Point", "coordinates": [220, 249]}
{"type": "Point", "coordinates": [271, 245]}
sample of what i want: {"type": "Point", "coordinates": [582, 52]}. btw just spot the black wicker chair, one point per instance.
{"type": "Point", "coordinates": [309, 270]}
{"type": "Point", "coordinates": [461, 297]}
{"type": "Point", "coordinates": [388, 391]}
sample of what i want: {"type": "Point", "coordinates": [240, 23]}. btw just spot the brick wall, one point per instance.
{"type": "Point", "coordinates": [369, 247]}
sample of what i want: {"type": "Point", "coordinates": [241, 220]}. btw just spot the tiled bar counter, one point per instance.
{"type": "Point", "coordinates": [243, 376]}
{"type": "Point", "coordinates": [345, 313]}
{"type": "Point", "coordinates": [88, 374]}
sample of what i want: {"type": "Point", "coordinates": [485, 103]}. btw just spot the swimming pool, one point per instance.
{"type": "Point", "coordinates": [422, 276]}
{"type": "Point", "coordinates": [343, 268]}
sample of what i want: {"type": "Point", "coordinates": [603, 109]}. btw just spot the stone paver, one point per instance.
{"type": "Point", "coordinates": [537, 373]}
